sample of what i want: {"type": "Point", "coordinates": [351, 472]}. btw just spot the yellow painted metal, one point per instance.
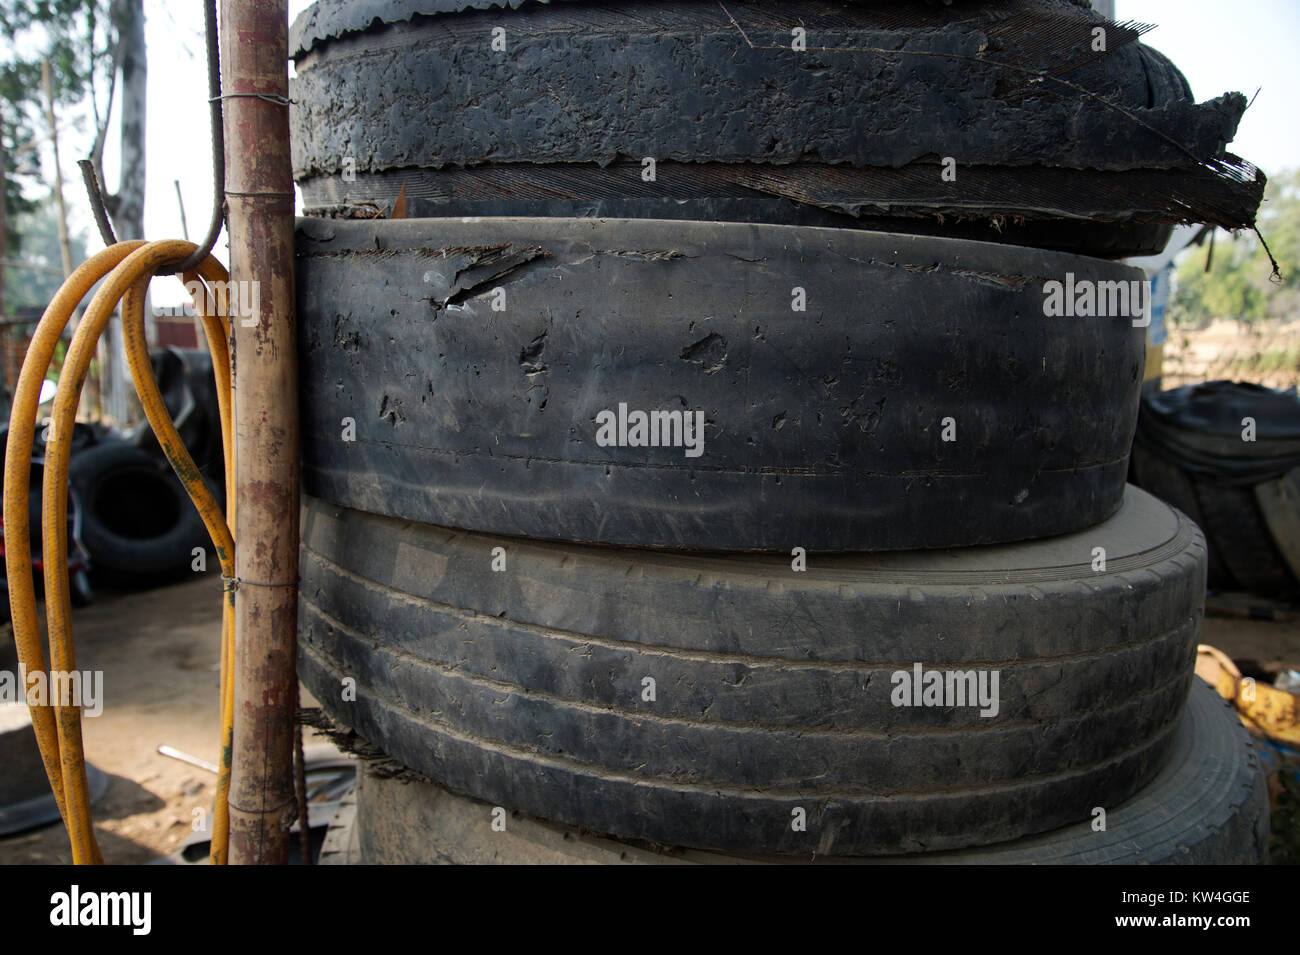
{"type": "Point", "coordinates": [1155, 362]}
{"type": "Point", "coordinates": [1265, 710]}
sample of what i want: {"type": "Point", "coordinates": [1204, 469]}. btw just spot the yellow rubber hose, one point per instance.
{"type": "Point", "coordinates": [137, 352]}
{"type": "Point", "coordinates": [17, 477]}
{"type": "Point", "coordinates": [132, 265]}
{"type": "Point", "coordinates": [216, 328]}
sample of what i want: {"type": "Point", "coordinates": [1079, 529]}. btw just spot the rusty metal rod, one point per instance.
{"type": "Point", "coordinates": [259, 196]}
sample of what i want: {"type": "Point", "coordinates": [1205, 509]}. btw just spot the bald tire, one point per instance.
{"type": "Point", "coordinates": [858, 390]}
{"type": "Point", "coordinates": [708, 701]}
{"type": "Point", "coordinates": [1207, 806]}
{"type": "Point", "coordinates": [1167, 481]}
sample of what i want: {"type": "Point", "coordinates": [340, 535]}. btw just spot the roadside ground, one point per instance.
{"type": "Point", "coordinates": [159, 651]}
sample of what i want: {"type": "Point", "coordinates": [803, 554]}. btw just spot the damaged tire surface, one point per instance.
{"type": "Point", "coordinates": [700, 701]}
{"type": "Point", "coordinates": [1207, 806]}
{"type": "Point", "coordinates": [740, 127]}
{"type": "Point", "coordinates": [857, 390]}
{"type": "Point", "coordinates": [679, 82]}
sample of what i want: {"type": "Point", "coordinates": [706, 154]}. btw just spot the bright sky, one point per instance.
{"type": "Point", "coordinates": [1245, 46]}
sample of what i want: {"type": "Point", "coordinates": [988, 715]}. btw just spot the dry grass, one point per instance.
{"type": "Point", "coordinates": [1266, 354]}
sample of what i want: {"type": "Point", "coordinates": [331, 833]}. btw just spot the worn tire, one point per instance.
{"type": "Point", "coordinates": [1172, 484]}
{"type": "Point", "coordinates": [774, 687]}
{"type": "Point", "coordinates": [744, 131]}
{"type": "Point", "coordinates": [80, 593]}
{"type": "Point", "coordinates": [824, 429]}
{"type": "Point", "coordinates": [1200, 429]}
{"type": "Point", "coordinates": [592, 82]}
{"type": "Point", "coordinates": [1107, 240]}
{"type": "Point", "coordinates": [137, 521]}
{"type": "Point", "coordinates": [1279, 502]}
{"type": "Point", "coordinates": [1234, 523]}
{"type": "Point", "coordinates": [1207, 806]}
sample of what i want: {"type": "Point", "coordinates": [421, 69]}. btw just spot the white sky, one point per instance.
{"type": "Point", "coordinates": [1248, 45]}
{"type": "Point", "coordinates": [1245, 46]}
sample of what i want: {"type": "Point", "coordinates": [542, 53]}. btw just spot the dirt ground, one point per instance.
{"type": "Point", "coordinates": [159, 651]}
{"type": "Point", "coordinates": [1272, 644]}
{"type": "Point", "coordinates": [1266, 354]}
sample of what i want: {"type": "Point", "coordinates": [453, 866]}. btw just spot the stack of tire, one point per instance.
{"type": "Point", "coordinates": [1228, 454]}
{"type": "Point", "coordinates": [646, 501]}
{"type": "Point", "coordinates": [80, 591]}
{"type": "Point", "coordinates": [137, 522]}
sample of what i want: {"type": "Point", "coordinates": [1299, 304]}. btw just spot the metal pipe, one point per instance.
{"type": "Point", "coordinates": [259, 196]}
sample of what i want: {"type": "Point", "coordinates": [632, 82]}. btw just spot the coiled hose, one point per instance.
{"type": "Point", "coordinates": [129, 267]}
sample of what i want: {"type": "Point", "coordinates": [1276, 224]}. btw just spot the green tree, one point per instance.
{"type": "Point", "coordinates": [1239, 284]}
{"type": "Point", "coordinates": [75, 36]}
{"type": "Point", "coordinates": [88, 44]}
{"type": "Point", "coordinates": [34, 282]}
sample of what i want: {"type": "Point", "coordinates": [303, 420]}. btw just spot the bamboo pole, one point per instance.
{"type": "Point", "coordinates": [259, 195]}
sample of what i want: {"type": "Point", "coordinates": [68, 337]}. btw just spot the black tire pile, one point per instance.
{"type": "Point", "coordinates": [138, 523]}
{"type": "Point", "coordinates": [902, 463]}
{"type": "Point", "coordinates": [128, 513]}
{"type": "Point", "coordinates": [1228, 455]}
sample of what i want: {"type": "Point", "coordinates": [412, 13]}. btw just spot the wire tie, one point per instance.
{"type": "Point", "coordinates": [260, 195]}
{"type": "Point", "coordinates": [269, 97]}
{"type": "Point", "coordinates": [232, 584]}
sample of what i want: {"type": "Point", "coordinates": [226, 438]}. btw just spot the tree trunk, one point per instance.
{"type": "Point", "coordinates": [128, 217]}
{"type": "Point", "coordinates": [61, 210]}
